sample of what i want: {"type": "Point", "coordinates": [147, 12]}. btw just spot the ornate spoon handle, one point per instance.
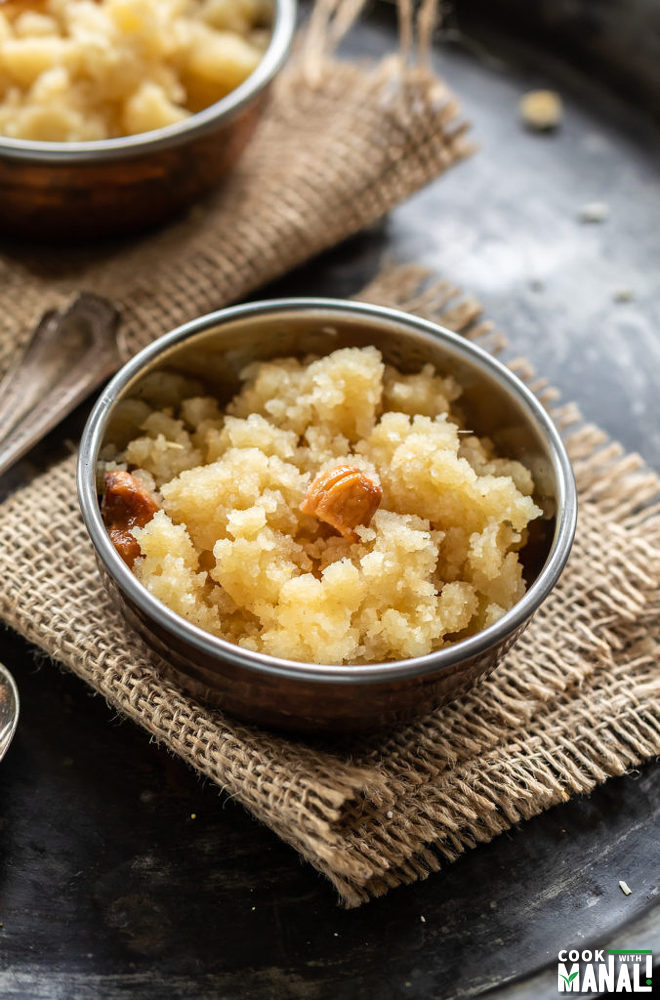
{"type": "Point", "coordinates": [68, 356]}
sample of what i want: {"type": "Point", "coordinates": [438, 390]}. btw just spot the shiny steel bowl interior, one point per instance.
{"type": "Point", "coordinates": [59, 190]}
{"type": "Point", "coordinates": [304, 696]}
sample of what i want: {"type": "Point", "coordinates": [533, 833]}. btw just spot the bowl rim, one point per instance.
{"type": "Point", "coordinates": [8, 733]}
{"type": "Point", "coordinates": [262, 663]}
{"type": "Point", "coordinates": [128, 146]}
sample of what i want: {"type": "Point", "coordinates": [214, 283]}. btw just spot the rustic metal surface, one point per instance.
{"type": "Point", "coordinates": [108, 885]}
{"type": "Point", "coordinates": [616, 38]}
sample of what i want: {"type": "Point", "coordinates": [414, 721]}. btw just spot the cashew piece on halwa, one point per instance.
{"type": "Point", "coordinates": [343, 497]}
{"type": "Point", "coordinates": [126, 504]}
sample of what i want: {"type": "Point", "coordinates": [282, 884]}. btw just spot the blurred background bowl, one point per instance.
{"type": "Point", "coordinates": [305, 696]}
{"type": "Point", "coordinates": [110, 187]}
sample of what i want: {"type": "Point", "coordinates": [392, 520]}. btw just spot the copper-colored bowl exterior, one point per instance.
{"type": "Point", "coordinates": [98, 198]}
{"type": "Point", "coordinates": [121, 186]}
{"type": "Point", "coordinates": [311, 697]}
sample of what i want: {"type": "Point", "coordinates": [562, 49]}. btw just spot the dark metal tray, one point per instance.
{"type": "Point", "coordinates": [122, 874]}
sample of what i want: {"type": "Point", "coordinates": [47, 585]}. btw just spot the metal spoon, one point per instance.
{"type": "Point", "coordinates": [9, 705]}
{"type": "Point", "coordinates": [68, 355]}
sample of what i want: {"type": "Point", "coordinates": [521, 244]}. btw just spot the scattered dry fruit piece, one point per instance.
{"type": "Point", "coordinates": [541, 110]}
{"type": "Point", "coordinates": [343, 497]}
{"type": "Point", "coordinates": [126, 504]}
{"type": "Point", "coordinates": [624, 295]}
{"type": "Point", "coordinates": [595, 211]}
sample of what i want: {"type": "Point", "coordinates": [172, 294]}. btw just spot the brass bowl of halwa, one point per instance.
{"type": "Point", "coordinates": [117, 114]}
{"type": "Point", "coordinates": [325, 515]}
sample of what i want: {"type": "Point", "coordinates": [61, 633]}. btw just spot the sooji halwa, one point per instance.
{"type": "Point", "coordinates": [74, 70]}
{"type": "Point", "coordinates": [335, 512]}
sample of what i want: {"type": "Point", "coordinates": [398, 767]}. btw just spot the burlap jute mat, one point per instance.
{"type": "Point", "coordinates": [575, 702]}
{"type": "Point", "coordinates": [577, 699]}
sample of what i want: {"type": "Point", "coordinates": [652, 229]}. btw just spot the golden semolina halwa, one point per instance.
{"type": "Point", "coordinates": [231, 550]}
{"type": "Point", "coordinates": [73, 70]}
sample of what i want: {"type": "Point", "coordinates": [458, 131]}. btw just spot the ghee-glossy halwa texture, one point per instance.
{"type": "Point", "coordinates": [74, 70]}
{"type": "Point", "coordinates": [230, 550]}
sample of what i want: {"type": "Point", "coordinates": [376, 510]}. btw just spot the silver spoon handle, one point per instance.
{"type": "Point", "coordinates": [67, 357]}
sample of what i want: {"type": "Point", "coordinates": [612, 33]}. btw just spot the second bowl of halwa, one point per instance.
{"type": "Point", "coordinates": [325, 515]}
{"type": "Point", "coordinates": [114, 114]}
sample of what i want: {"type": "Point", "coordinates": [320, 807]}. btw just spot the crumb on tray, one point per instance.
{"type": "Point", "coordinates": [595, 211]}
{"type": "Point", "coordinates": [541, 110]}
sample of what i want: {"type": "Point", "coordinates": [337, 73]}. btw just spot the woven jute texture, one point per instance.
{"type": "Point", "coordinates": [575, 701]}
